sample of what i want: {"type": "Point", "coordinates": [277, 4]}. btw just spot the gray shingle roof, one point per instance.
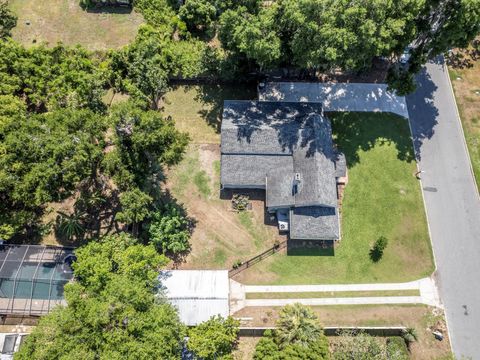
{"type": "Point", "coordinates": [251, 170]}
{"type": "Point", "coordinates": [264, 144]}
{"type": "Point", "coordinates": [314, 223]}
{"type": "Point", "coordinates": [280, 187]}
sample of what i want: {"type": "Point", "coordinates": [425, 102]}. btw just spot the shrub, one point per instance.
{"type": "Point", "coordinates": [397, 348]}
{"type": "Point", "coordinates": [410, 335]}
{"type": "Point", "coordinates": [376, 252]}
{"type": "Point", "coordinates": [214, 339]}
{"type": "Point", "coordinates": [169, 230]}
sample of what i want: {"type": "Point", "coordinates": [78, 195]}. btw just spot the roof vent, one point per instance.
{"type": "Point", "coordinates": [297, 177]}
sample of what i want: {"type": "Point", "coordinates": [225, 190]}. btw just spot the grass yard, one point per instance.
{"type": "Point", "coordinates": [65, 21]}
{"type": "Point", "coordinates": [331, 294]}
{"type": "Point", "coordinates": [421, 317]}
{"type": "Point", "coordinates": [466, 85]}
{"type": "Point", "coordinates": [382, 198]}
{"type": "Point", "coordinates": [198, 109]}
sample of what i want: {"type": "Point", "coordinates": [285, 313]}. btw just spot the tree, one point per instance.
{"type": "Point", "coordinates": [51, 78]}
{"type": "Point", "coordinates": [252, 36]}
{"type": "Point", "coordinates": [135, 208]}
{"type": "Point", "coordinates": [214, 338]}
{"type": "Point", "coordinates": [112, 310]}
{"type": "Point", "coordinates": [44, 159]}
{"type": "Point", "coordinates": [169, 230]}
{"type": "Point", "coordinates": [297, 324]}
{"type": "Point", "coordinates": [198, 14]}
{"type": "Point", "coordinates": [7, 20]}
{"type": "Point", "coordinates": [298, 335]}
{"type": "Point", "coordinates": [376, 252]}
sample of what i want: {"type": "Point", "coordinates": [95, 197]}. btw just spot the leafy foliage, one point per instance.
{"type": "Point", "coordinates": [7, 20]}
{"type": "Point", "coordinates": [51, 78]}
{"type": "Point", "coordinates": [112, 312]}
{"type": "Point", "coordinates": [214, 338]}
{"type": "Point", "coordinates": [198, 14]}
{"type": "Point", "coordinates": [169, 230]}
{"type": "Point", "coordinates": [376, 252]}
{"type": "Point", "coordinates": [298, 335]}
{"type": "Point", "coordinates": [397, 348]}
{"type": "Point", "coordinates": [359, 347]}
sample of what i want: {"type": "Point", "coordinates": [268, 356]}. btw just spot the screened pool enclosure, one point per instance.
{"type": "Point", "coordinates": [32, 278]}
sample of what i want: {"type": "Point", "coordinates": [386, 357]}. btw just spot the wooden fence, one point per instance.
{"type": "Point", "coordinates": [245, 265]}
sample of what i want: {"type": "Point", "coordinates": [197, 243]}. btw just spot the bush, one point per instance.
{"type": "Point", "coordinates": [169, 230]}
{"type": "Point", "coordinates": [214, 339]}
{"type": "Point", "coordinates": [397, 348]}
{"type": "Point", "coordinates": [376, 252]}
{"type": "Point", "coordinates": [197, 14]}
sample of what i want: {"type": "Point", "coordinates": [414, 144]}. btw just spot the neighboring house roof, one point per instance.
{"type": "Point", "coordinates": [286, 148]}
{"type": "Point", "coordinates": [197, 294]}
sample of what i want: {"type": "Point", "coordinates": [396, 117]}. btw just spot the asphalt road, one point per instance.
{"type": "Point", "coordinates": [452, 203]}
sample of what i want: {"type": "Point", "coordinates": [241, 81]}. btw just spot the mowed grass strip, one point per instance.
{"type": "Point", "coordinates": [466, 86]}
{"type": "Point", "coordinates": [382, 198]}
{"type": "Point", "coordinates": [331, 294]}
{"type": "Point", "coordinates": [65, 21]}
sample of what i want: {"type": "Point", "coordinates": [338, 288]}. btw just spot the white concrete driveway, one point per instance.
{"type": "Point", "coordinates": [337, 97]}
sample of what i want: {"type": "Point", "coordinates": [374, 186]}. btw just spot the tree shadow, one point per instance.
{"type": "Point", "coordinates": [212, 96]}
{"type": "Point", "coordinates": [355, 132]}
{"type": "Point", "coordinates": [111, 9]}
{"type": "Point", "coordinates": [422, 111]}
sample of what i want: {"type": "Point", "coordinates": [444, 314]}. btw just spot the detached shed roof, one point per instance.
{"type": "Point", "coordinates": [198, 294]}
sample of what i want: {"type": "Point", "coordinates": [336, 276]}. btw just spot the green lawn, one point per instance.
{"type": "Point", "coordinates": [382, 198]}
{"type": "Point", "coordinates": [197, 109]}
{"type": "Point", "coordinates": [65, 21]}
{"type": "Point", "coordinates": [331, 294]}
{"type": "Point", "coordinates": [466, 85]}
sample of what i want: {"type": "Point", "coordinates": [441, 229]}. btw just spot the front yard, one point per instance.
{"type": "Point", "coordinates": [382, 198]}
{"type": "Point", "coordinates": [421, 317]}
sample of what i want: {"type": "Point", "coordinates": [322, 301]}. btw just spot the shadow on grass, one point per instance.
{"type": "Point", "coordinates": [213, 96]}
{"type": "Point", "coordinates": [112, 9]}
{"type": "Point", "coordinates": [310, 248]}
{"type": "Point", "coordinates": [355, 132]}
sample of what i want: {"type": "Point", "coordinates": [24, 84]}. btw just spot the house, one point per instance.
{"type": "Point", "coordinates": [287, 150]}
{"type": "Point", "coordinates": [197, 294]}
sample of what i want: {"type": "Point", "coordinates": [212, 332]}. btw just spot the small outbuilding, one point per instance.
{"type": "Point", "coordinates": [197, 294]}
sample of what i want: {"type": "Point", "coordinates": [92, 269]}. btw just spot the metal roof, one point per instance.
{"type": "Point", "coordinates": [197, 294]}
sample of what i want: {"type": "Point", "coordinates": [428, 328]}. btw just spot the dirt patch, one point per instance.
{"type": "Point", "coordinates": [423, 318]}
{"type": "Point", "coordinates": [221, 236]}
{"type": "Point", "coordinates": [246, 348]}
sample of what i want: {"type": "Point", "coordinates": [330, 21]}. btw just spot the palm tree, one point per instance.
{"type": "Point", "coordinates": [297, 324]}
{"type": "Point", "coordinates": [70, 225]}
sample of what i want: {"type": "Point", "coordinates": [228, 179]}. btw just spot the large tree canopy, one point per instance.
{"type": "Point", "coordinates": [112, 311]}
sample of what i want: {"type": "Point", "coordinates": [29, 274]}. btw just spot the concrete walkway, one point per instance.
{"type": "Point", "coordinates": [337, 97]}
{"type": "Point", "coordinates": [426, 286]}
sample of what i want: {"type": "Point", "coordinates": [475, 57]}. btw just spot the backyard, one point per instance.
{"type": "Point", "coordinates": [382, 198]}
{"type": "Point", "coordinates": [466, 85]}
{"type": "Point", "coordinates": [65, 21]}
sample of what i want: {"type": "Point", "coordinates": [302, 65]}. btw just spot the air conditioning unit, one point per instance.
{"type": "Point", "coordinates": [283, 227]}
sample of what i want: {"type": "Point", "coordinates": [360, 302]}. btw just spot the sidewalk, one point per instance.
{"type": "Point", "coordinates": [426, 286]}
